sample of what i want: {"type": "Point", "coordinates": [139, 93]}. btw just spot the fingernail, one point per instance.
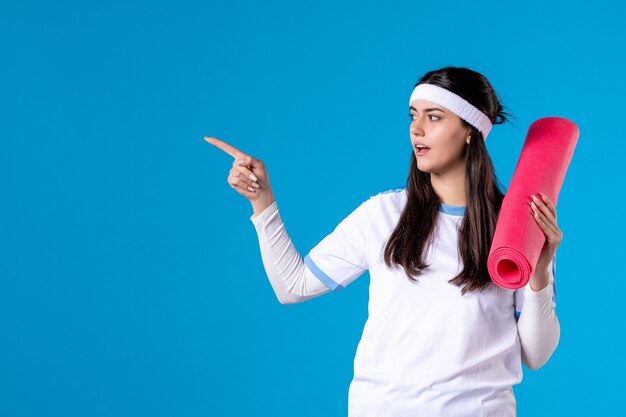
{"type": "Point", "coordinates": [535, 198]}
{"type": "Point", "coordinates": [253, 177]}
{"type": "Point", "coordinates": [254, 184]}
{"type": "Point", "coordinates": [250, 188]}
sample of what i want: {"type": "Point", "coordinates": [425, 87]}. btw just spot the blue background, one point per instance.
{"type": "Point", "coordinates": [131, 281]}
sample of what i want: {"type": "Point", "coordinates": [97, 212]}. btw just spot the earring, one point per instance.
{"type": "Point", "coordinates": [468, 139]}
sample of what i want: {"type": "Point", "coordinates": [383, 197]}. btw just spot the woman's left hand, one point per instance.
{"type": "Point", "coordinates": [544, 212]}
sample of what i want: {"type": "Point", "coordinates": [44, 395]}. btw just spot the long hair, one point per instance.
{"type": "Point", "coordinates": [415, 229]}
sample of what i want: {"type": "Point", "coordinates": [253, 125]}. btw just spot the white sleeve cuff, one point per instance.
{"type": "Point", "coordinates": [262, 216]}
{"type": "Point", "coordinates": [542, 294]}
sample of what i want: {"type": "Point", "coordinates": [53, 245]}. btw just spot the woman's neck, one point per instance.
{"type": "Point", "coordinates": [450, 189]}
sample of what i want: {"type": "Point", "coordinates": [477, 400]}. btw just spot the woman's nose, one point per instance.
{"type": "Point", "coordinates": [416, 127]}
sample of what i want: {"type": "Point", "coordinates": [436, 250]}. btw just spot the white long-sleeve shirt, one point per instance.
{"type": "Point", "coordinates": [455, 341]}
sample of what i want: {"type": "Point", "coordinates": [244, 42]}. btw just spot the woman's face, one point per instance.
{"type": "Point", "coordinates": [443, 132]}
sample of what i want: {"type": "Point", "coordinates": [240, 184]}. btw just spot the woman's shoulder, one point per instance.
{"type": "Point", "coordinates": [388, 200]}
{"type": "Point", "coordinates": [392, 192]}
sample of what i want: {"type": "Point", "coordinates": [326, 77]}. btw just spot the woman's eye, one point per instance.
{"type": "Point", "coordinates": [412, 117]}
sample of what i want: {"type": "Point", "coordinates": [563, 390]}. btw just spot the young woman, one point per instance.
{"type": "Point", "coordinates": [441, 339]}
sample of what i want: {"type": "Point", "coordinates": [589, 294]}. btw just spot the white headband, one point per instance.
{"type": "Point", "coordinates": [455, 104]}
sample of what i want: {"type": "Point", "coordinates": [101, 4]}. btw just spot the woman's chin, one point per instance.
{"type": "Point", "coordinates": [423, 165]}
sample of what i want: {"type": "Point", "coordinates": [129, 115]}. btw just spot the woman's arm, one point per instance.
{"type": "Point", "coordinates": [292, 281]}
{"type": "Point", "coordinates": [290, 278]}
{"type": "Point", "coordinates": [538, 325]}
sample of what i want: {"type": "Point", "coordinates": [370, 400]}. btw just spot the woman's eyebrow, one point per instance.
{"type": "Point", "coordinates": [429, 109]}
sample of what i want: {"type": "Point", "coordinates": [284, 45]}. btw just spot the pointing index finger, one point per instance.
{"type": "Point", "coordinates": [231, 150]}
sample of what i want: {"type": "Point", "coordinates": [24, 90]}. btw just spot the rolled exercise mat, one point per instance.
{"type": "Point", "coordinates": [518, 239]}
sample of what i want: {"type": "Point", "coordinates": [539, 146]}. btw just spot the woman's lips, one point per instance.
{"type": "Point", "coordinates": [422, 151]}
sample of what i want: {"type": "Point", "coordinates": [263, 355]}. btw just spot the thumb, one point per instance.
{"type": "Point", "coordinates": [248, 161]}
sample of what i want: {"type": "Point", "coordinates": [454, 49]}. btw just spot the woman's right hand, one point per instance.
{"type": "Point", "coordinates": [248, 176]}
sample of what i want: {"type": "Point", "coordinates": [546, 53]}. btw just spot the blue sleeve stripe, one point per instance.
{"type": "Point", "coordinates": [326, 280]}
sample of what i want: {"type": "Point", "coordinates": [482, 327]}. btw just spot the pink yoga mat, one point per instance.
{"type": "Point", "coordinates": [518, 239]}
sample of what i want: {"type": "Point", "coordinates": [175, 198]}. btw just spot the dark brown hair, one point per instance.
{"type": "Point", "coordinates": [414, 231]}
